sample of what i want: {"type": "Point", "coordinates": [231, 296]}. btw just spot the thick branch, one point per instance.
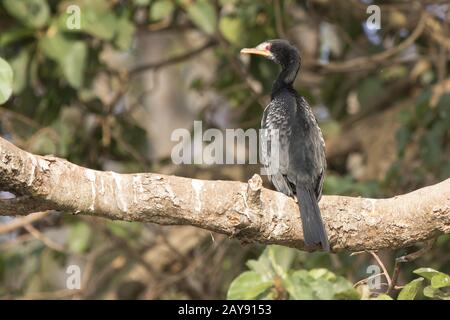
{"type": "Point", "coordinates": [246, 211]}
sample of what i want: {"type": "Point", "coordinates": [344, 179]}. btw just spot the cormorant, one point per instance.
{"type": "Point", "coordinates": [302, 161]}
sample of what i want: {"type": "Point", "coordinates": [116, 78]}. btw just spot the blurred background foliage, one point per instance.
{"type": "Point", "coordinates": [107, 95]}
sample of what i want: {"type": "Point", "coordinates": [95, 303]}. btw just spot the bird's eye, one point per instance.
{"type": "Point", "coordinates": [268, 47]}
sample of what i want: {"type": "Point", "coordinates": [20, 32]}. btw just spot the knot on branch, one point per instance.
{"type": "Point", "coordinates": [252, 205]}
{"type": "Point", "coordinates": [254, 192]}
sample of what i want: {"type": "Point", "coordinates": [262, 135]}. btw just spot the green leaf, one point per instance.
{"type": "Point", "coordinates": [32, 13]}
{"type": "Point", "coordinates": [79, 237]}
{"type": "Point", "coordinates": [141, 2]}
{"type": "Point", "coordinates": [364, 292]}
{"type": "Point", "coordinates": [281, 258]}
{"type": "Point", "coordinates": [203, 15]}
{"type": "Point", "coordinates": [14, 34]}
{"type": "Point", "coordinates": [101, 24]}
{"type": "Point", "coordinates": [125, 32]}
{"type": "Point", "coordinates": [54, 44]}
{"type": "Point", "coordinates": [298, 285]}
{"type": "Point", "coordinates": [410, 291]}
{"type": "Point", "coordinates": [383, 296]}
{"type": "Point", "coordinates": [71, 55]}
{"type": "Point", "coordinates": [428, 273]}
{"type": "Point", "coordinates": [262, 266]}
{"type": "Point", "coordinates": [440, 281]}
{"type": "Point", "coordinates": [319, 284]}
{"type": "Point", "coordinates": [97, 19]}
{"type": "Point", "coordinates": [232, 29]}
{"type": "Point", "coordinates": [74, 63]}
{"type": "Point", "coordinates": [248, 285]}
{"type": "Point", "coordinates": [434, 293]}
{"type": "Point", "coordinates": [19, 64]}
{"type": "Point", "coordinates": [124, 229]}
{"type": "Point", "coordinates": [274, 260]}
{"type": "Point", "coordinates": [161, 9]}
{"type": "Point", "coordinates": [6, 81]}
{"type": "Point", "coordinates": [344, 290]}
{"type": "Point", "coordinates": [323, 289]}
{"type": "Point", "coordinates": [322, 273]}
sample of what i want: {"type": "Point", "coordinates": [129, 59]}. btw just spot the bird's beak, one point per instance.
{"type": "Point", "coordinates": [258, 51]}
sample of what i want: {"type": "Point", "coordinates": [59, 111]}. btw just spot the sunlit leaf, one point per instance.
{"type": "Point", "coordinates": [141, 2]}
{"type": "Point", "coordinates": [14, 34]}
{"type": "Point", "coordinates": [54, 44]}
{"type": "Point", "coordinates": [298, 285]}
{"type": "Point", "coordinates": [281, 258]}
{"type": "Point", "coordinates": [74, 63]}
{"type": "Point", "coordinates": [232, 29]}
{"type": "Point", "coordinates": [435, 293]}
{"type": "Point", "coordinates": [427, 273]}
{"type": "Point", "coordinates": [19, 64]}
{"type": "Point", "coordinates": [440, 281]}
{"type": "Point", "coordinates": [161, 9]}
{"type": "Point", "coordinates": [319, 284]}
{"type": "Point", "coordinates": [6, 81]}
{"type": "Point", "coordinates": [202, 13]}
{"type": "Point", "coordinates": [322, 273]}
{"type": "Point", "coordinates": [32, 13]}
{"type": "Point", "coordinates": [70, 54]}
{"type": "Point", "coordinates": [97, 19]}
{"type": "Point", "coordinates": [249, 285]}
{"type": "Point", "coordinates": [323, 289]}
{"type": "Point", "coordinates": [383, 296]}
{"type": "Point", "coordinates": [344, 290]}
{"type": "Point", "coordinates": [410, 291]}
{"type": "Point", "coordinates": [125, 32]}
{"type": "Point", "coordinates": [99, 24]}
{"type": "Point", "coordinates": [263, 265]}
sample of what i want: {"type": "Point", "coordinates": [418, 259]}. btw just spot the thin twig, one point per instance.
{"type": "Point", "coordinates": [173, 60]}
{"type": "Point", "coordinates": [10, 244]}
{"type": "Point", "coordinates": [44, 239]}
{"type": "Point", "coordinates": [368, 61]}
{"type": "Point", "coordinates": [367, 279]}
{"type": "Point", "coordinates": [381, 264]}
{"type": "Point", "coordinates": [60, 294]}
{"type": "Point", "coordinates": [22, 221]}
{"type": "Point", "coordinates": [408, 258]}
{"type": "Point", "coordinates": [237, 66]}
{"type": "Point", "coordinates": [279, 19]}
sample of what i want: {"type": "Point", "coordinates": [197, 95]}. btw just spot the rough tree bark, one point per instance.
{"type": "Point", "coordinates": [243, 210]}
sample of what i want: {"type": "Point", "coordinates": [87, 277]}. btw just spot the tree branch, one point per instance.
{"type": "Point", "coordinates": [362, 63]}
{"type": "Point", "coordinates": [176, 59]}
{"type": "Point", "coordinates": [246, 211]}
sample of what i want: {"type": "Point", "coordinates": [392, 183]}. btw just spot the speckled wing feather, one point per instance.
{"type": "Point", "coordinates": [320, 155]}
{"type": "Point", "coordinates": [274, 118]}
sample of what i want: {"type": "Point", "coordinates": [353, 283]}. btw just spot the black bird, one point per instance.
{"type": "Point", "coordinates": [301, 166]}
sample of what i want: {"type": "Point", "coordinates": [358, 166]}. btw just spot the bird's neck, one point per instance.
{"type": "Point", "coordinates": [286, 77]}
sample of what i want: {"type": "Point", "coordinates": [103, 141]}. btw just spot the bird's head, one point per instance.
{"type": "Point", "coordinates": [278, 50]}
{"type": "Point", "coordinates": [283, 53]}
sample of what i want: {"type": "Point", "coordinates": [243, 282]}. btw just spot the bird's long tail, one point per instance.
{"type": "Point", "coordinates": [313, 228]}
